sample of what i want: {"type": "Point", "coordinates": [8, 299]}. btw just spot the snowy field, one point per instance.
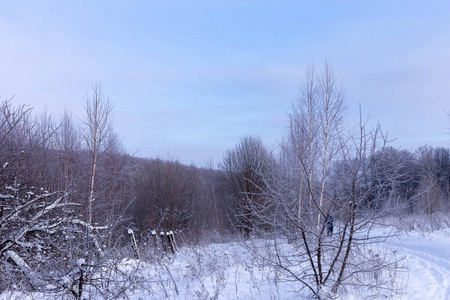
{"type": "Point", "coordinates": [229, 271]}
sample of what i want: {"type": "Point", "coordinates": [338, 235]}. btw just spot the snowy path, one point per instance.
{"type": "Point", "coordinates": [428, 261]}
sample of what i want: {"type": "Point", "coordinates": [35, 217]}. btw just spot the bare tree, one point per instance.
{"type": "Point", "coordinates": [67, 145]}
{"type": "Point", "coordinates": [47, 241]}
{"type": "Point", "coordinates": [338, 177]}
{"type": "Point", "coordinates": [430, 192]}
{"type": "Point", "coordinates": [314, 136]}
{"type": "Point", "coordinates": [166, 196]}
{"type": "Point", "coordinates": [97, 125]}
{"type": "Point", "coordinates": [245, 167]}
{"type": "Point", "coordinates": [31, 218]}
{"type": "Point", "coordinates": [20, 138]}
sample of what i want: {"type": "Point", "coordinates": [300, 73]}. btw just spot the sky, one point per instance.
{"type": "Point", "coordinates": [189, 79]}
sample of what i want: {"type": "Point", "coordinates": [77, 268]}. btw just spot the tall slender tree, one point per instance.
{"type": "Point", "coordinates": [97, 126]}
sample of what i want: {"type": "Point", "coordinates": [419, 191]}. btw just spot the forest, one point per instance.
{"type": "Point", "coordinates": [71, 197]}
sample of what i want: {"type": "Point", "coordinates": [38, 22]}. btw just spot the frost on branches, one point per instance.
{"type": "Point", "coordinates": [43, 244]}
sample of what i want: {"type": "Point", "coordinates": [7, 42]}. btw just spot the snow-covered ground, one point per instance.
{"type": "Point", "coordinates": [428, 261]}
{"type": "Point", "coordinates": [228, 271]}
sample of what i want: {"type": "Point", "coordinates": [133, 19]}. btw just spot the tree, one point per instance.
{"type": "Point", "coordinates": [396, 173]}
{"type": "Point", "coordinates": [68, 144]}
{"type": "Point", "coordinates": [245, 167]}
{"type": "Point", "coordinates": [97, 126]}
{"type": "Point", "coordinates": [166, 193]}
{"type": "Point", "coordinates": [315, 135]}
{"type": "Point", "coordinates": [324, 171]}
{"type": "Point", "coordinates": [213, 200]}
{"type": "Point", "coordinates": [48, 242]}
{"type": "Point", "coordinates": [433, 186]}
{"type": "Point", "coordinates": [32, 225]}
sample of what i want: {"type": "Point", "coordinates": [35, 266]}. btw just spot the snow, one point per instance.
{"type": "Point", "coordinates": [17, 259]}
{"type": "Point", "coordinates": [428, 260]}
{"type": "Point", "coordinates": [228, 271]}
{"type": "Point", "coordinates": [81, 262]}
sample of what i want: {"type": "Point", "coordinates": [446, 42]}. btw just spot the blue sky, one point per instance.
{"type": "Point", "coordinates": [190, 78]}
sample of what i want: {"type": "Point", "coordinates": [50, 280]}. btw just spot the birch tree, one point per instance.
{"type": "Point", "coordinates": [97, 125]}
{"type": "Point", "coordinates": [67, 144]}
{"type": "Point", "coordinates": [322, 171]}
{"type": "Point", "coordinates": [315, 127]}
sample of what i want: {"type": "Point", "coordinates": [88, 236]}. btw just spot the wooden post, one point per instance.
{"type": "Point", "coordinates": [133, 243]}
{"type": "Point", "coordinates": [174, 243]}
{"type": "Point", "coordinates": [170, 241]}
{"type": "Point", "coordinates": [163, 241]}
{"type": "Point", "coordinates": [154, 240]}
